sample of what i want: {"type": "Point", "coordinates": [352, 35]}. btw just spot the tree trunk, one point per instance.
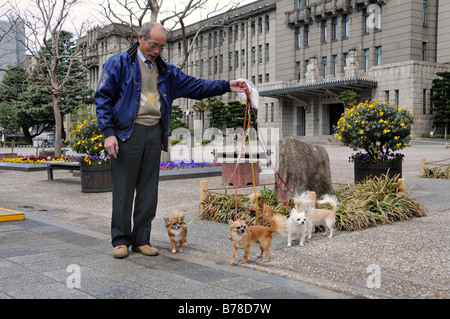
{"type": "Point", "coordinates": [58, 125]}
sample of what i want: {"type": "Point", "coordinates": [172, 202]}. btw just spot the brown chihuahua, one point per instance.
{"type": "Point", "coordinates": [265, 213]}
{"type": "Point", "coordinates": [243, 236]}
{"type": "Point", "coordinates": [177, 230]}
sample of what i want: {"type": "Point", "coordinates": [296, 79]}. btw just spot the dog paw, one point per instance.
{"type": "Point", "coordinates": [301, 244]}
{"type": "Point", "coordinates": [289, 245]}
{"type": "Point", "coordinates": [174, 251]}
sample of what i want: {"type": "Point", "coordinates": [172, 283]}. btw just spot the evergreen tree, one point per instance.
{"type": "Point", "coordinates": [441, 99]}
{"type": "Point", "coordinates": [29, 99]}
{"type": "Point", "coordinates": [175, 119]}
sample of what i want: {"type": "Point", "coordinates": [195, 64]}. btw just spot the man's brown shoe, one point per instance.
{"type": "Point", "coordinates": [120, 251]}
{"type": "Point", "coordinates": [147, 250]}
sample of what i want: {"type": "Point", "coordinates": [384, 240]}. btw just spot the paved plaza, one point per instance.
{"type": "Point", "coordinates": [62, 249]}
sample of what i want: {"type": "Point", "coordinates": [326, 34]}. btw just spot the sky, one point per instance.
{"type": "Point", "coordinates": [90, 11]}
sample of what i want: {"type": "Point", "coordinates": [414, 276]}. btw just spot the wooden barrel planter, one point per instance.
{"type": "Point", "coordinates": [377, 169]}
{"type": "Point", "coordinates": [96, 178]}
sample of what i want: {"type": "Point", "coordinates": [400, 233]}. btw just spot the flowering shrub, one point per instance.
{"type": "Point", "coordinates": [376, 127]}
{"type": "Point", "coordinates": [86, 138]}
{"type": "Point", "coordinates": [183, 164]}
{"type": "Point", "coordinates": [93, 159]}
{"type": "Point", "coordinates": [30, 159]}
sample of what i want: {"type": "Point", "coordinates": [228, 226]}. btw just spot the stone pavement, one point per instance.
{"type": "Point", "coordinates": [44, 259]}
{"type": "Point", "coordinates": [66, 232]}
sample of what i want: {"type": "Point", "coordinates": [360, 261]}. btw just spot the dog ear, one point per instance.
{"type": "Point", "coordinates": [166, 220]}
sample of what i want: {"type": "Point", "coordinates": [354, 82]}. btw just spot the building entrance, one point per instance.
{"type": "Point", "coordinates": [335, 112]}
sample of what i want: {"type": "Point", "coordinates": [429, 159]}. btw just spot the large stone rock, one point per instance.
{"type": "Point", "coordinates": [304, 167]}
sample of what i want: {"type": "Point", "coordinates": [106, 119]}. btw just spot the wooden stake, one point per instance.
{"type": "Point", "coordinates": [401, 184]}
{"type": "Point", "coordinates": [203, 193]}
{"type": "Point", "coordinates": [424, 164]}
{"type": "Point", "coordinates": [312, 197]}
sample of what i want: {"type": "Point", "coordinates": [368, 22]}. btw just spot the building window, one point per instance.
{"type": "Point", "coordinates": [201, 68]}
{"type": "Point", "coordinates": [425, 11]}
{"type": "Point", "coordinates": [297, 71]}
{"type": "Point", "coordinates": [299, 4]}
{"type": "Point", "coordinates": [230, 61]}
{"type": "Point", "coordinates": [386, 96]}
{"type": "Point", "coordinates": [267, 113]}
{"type": "Point", "coordinates": [397, 97]}
{"type": "Point", "coordinates": [297, 38]}
{"type": "Point", "coordinates": [272, 112]}
{"type": "Point", "coordinates": [260, 53]}
{"type": "Point", "coordinates": [253, 55]}
{"type": "Point", "coordinates": [424, 101]}
{"type": "Point", "coordinates": [424, 51]}
{"type": "Point", "coordinates": [378, 53]}
{"type": "Point", "coordinates": [324, 64]}
{"type": "Point", "coordinates": [344, 59]}
{"type": "Point", "coordinates": [253, 27]}
{"type": "Point", "coordinates": [221, 63]}
{"type": "Point", "coordinates": [366, 17]}
{"type": "Point", "coordinates": [345, 26]}
{"type": "Point", "coordinates": [260, 25]}
{"type": "Point", "coordinates": [335, 65]}
{"type": "Point", "coordinates": [230, 32]}
{"type": "Point", "coordinates": [324, 31]}
{"type": "Point", "coordinates": [236, 59]}
{"type": "Point", "coordinates": [431, 102]}
{"type": "Point", "coordinates": [307, 34]}
{"type": "Point", "coordinates": [267, 24]}
{"type": "Point", "coordinates": [242, 30]}
{"type": "Point", "coordinates": [334, 29]}
{"type": "Point", "coordinates": [267, 77]}
{"type": "Point", "coordinates": [366, 60]}
{"type": "Point", "coordinates": [243, 57]}
{"type": "Point", "coordinates": [267, 52]}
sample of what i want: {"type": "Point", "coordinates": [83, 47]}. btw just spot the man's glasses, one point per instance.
{"type": "Point", "coordinates": [155, 46]}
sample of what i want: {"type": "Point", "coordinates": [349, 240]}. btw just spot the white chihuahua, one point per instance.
{"type": "Point", "coordinates": [323, 217]}
{"type": "Point", "coordinates": [296, 225]}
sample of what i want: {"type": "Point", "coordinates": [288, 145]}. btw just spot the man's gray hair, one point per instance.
{"type": "Point", "coordinates": [147, 28]}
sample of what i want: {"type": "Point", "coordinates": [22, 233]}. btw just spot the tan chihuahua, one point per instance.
{"type": "Point", "coordinates": [177, 230]}
{"type": "Point", "coordinates": [243, 236]}
{"type": "Point", "coordinates": [265, 213]}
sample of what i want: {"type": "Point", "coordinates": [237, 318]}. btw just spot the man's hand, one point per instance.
{"type": "Point", "coordinates": [112, 146]}
{"type": "Point", "coordinates": [238, 86]}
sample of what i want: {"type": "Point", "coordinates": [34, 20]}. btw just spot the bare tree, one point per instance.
{"type": "Point", "coordinates": [133, 13]}
{"type": "Point", "coordinates": [46, 22]}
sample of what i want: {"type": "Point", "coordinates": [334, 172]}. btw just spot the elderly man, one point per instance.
{"type": "Point", "coordinates": [133, 105]}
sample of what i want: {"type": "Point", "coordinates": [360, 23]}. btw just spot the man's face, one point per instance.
{"type": "Point", "coordinates": [154, 45]}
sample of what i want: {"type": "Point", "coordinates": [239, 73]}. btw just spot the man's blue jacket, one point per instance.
{"type": "Point", "coordinates": [118, 93]}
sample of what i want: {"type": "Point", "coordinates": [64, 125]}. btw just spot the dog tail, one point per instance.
{"type": "Point", "coordinates": [279, 224]}
{"type": "Point", "coordinates": [255, 197]}
{"type": "Point", "coordinates": [178, 214]}
{"type": "Point", "coordinates": [301, 200]}
{"type": "Point", "coordinates": [330, 200]}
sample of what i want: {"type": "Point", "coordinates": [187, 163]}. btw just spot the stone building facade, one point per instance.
{"type": "Point", "coordinates": [302, 53]}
